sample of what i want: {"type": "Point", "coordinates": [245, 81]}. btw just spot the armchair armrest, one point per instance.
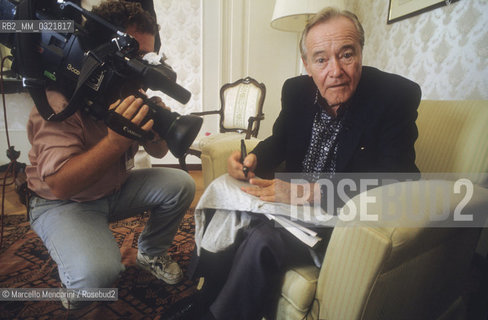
{"type": "Point", "coordinates": [382, 267]}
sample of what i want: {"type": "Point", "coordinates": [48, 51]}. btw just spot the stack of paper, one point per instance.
{"type": "Point", "coordinates": [307, 236]}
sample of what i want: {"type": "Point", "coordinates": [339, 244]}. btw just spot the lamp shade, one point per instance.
{"type": "Point", "coordinates": [293, 15]}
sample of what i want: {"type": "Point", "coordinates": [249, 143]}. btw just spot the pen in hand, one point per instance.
{"type": "Point", "coordinates": [243, 156]}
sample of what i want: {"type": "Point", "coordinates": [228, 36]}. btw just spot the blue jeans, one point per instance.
{"type": "Point", "coordinates": [78, 237]}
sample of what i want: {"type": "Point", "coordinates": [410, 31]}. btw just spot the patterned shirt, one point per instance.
{"type": "Point", "coordinates": [322, 151]}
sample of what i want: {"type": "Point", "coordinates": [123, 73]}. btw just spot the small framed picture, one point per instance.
{"type": "Point", "coordinates": [402, 9]}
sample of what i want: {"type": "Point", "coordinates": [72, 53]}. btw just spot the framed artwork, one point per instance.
{"type": "Point", "coordinates": [402, 9]}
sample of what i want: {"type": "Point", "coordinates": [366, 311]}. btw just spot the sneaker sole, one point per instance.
{"type": "Point", "coordinates": [148, 269]}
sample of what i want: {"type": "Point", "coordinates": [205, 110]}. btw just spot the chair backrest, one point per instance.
{"type": "Point", "coordinates": [452, 137]}
{"type": "Point", "coordinates": [241, 101]}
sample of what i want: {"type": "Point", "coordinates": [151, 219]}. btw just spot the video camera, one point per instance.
{"type": "Point", "coordinates": [93, 75]}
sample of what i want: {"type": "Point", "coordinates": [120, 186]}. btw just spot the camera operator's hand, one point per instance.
{"type": "Point", "coordinates": [133, 109]}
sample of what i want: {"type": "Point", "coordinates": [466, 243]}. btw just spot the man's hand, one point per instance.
{"type": "Point", "coordinates": [235, 167]}
{"type": "Point", "coordinates": [134, 110]}
{"type": "Point", "coordinates": [280, 191]}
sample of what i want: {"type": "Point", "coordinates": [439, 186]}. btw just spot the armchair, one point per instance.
{"type": "Point", "coordinates": [241, 110]}
{"type": "Point", "coordinates": [404, 272]}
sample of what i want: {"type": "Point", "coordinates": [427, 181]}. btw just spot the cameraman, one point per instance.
{"type": "Point", "coordinates": [81, 179]}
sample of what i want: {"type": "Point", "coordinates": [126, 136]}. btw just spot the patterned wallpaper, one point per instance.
{"type": "Point", "coordinates": [445, 50]}
{"type": "Point", "coordinates": [181, 42]}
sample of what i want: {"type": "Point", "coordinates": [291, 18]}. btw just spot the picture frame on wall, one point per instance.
{"type": "Point", "coordinates": [403, 9]}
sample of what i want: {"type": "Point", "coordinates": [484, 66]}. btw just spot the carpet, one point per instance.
{"type": "Point", "coordinates": [25, 263]}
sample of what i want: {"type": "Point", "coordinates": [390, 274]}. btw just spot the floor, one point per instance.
{"type": "Point", "coordinates": [198, 177]}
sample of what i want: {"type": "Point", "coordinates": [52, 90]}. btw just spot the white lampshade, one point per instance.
{"type": "Point", "coordinates": [293, 15]}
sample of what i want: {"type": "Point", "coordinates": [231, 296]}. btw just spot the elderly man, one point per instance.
{"type": "Point", "coordinates": [342, 117]}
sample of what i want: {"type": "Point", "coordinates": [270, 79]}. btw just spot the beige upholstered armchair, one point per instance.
{"type": "Point", "coordinates": [241, 110]}
{"type": "Point", "coordinates": [403, 271]}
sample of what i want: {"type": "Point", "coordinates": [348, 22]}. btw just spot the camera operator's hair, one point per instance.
{"type": "Point", "coordinates": [123, 14]}
{"type": "Point", "coordinates": [325, 15]}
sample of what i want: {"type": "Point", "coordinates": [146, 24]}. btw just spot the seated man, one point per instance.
{"type": "Point", "coordinates": [81, 179]}
{"type": "Point", "coordinates": [342, 117]}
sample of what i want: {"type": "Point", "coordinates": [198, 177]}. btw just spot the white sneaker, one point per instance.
{"type": "Point", "coordinates": [73, 304]}
{"type": "Point", "coordinates": [162, 267]}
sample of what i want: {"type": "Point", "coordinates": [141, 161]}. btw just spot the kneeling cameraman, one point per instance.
{"type": "Point", "coordinates": [80, 174]}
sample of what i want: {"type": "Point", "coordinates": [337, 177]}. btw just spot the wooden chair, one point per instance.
{"type": "Point", "coordinates": [241, 110]}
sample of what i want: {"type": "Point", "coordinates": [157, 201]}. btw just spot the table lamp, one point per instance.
{"type": "Point", "coordinates": [293, 15]}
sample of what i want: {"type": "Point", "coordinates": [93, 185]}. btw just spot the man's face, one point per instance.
{"type": "Point", "coordinates": [146, 40]}
{"type": "Point", "coordinates": [334, 59]}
